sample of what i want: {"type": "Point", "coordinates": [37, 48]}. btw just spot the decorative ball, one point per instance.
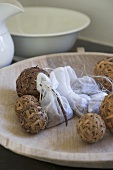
{"type": "Point", "coordinates": [23, 102]}
{"type": "Point", "coordinates": [104, 68]}
{"type": "Point", "coordinates": [33, 119]}
{"type": "Point", "coordinates": [91, 127]}
{"type": "Point", "coordinates": [26, 82]}
{"type": "Point", "coordinates": [106, 111]}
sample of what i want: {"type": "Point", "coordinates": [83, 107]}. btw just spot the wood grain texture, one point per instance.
{"type": "Point", "coordinates": [60, 145]}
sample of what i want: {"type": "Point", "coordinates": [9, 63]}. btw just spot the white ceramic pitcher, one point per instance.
{"type": "Point", "coordinates": [8, 8]}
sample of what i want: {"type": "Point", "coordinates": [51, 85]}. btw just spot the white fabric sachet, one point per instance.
{"type": "Point", "coordinates": [78, 103]}
{"type": "Point", "coordinates": [87, 87]}
{"type": "Point", "coordinates": [48, 99]}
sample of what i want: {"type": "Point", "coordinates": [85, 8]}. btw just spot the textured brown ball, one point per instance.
{"type": "Point", "coordinates": [104, 68]}
{"type": "Point", "coordinates": [26, 82]}
{"type": "Point", "coordinates": [25, 101]}
{"type": "Point", "coordinates": [33, 119]}
{"type": "Point", "coordinates": [91, 127]}
{"type": "Point", "coordinates": [106, 111]}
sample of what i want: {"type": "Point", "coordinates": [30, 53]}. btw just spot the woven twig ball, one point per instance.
{"type": "Point", "coordinates": [25, 101]}
{"type": "Point", "coordinates": [33, 119]}
{"type": "Point", "coordinates": [106, 111]}
{"type": "Point", "coordinates": [91, 127]}
{"type": "Point", "coordinates": [26, 82]}
{"type": "Point", "coordinates": [104, 68]}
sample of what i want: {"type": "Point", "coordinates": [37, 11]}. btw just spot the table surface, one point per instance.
{"type": "Point", "coordinates": [13, 161]}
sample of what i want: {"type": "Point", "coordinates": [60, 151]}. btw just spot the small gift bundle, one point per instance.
{"type": "Point", "coordinates": [55, 105]}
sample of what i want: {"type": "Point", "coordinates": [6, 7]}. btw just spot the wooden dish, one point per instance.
{"type": "Point", "coordinates": [60, 145]}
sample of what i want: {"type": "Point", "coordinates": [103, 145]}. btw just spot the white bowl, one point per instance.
{"type": "Point", "coordinates": [45, 30]}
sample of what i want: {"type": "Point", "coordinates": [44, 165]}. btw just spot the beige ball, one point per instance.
{"type": "Point", "coordinates": [106, 111]}
{"type": "Point", "coordinates": [104, 68]}
{"type": "Point", "coordinates": [91, 127]}
{"type": "Point", "coordinates": [33, 119]}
